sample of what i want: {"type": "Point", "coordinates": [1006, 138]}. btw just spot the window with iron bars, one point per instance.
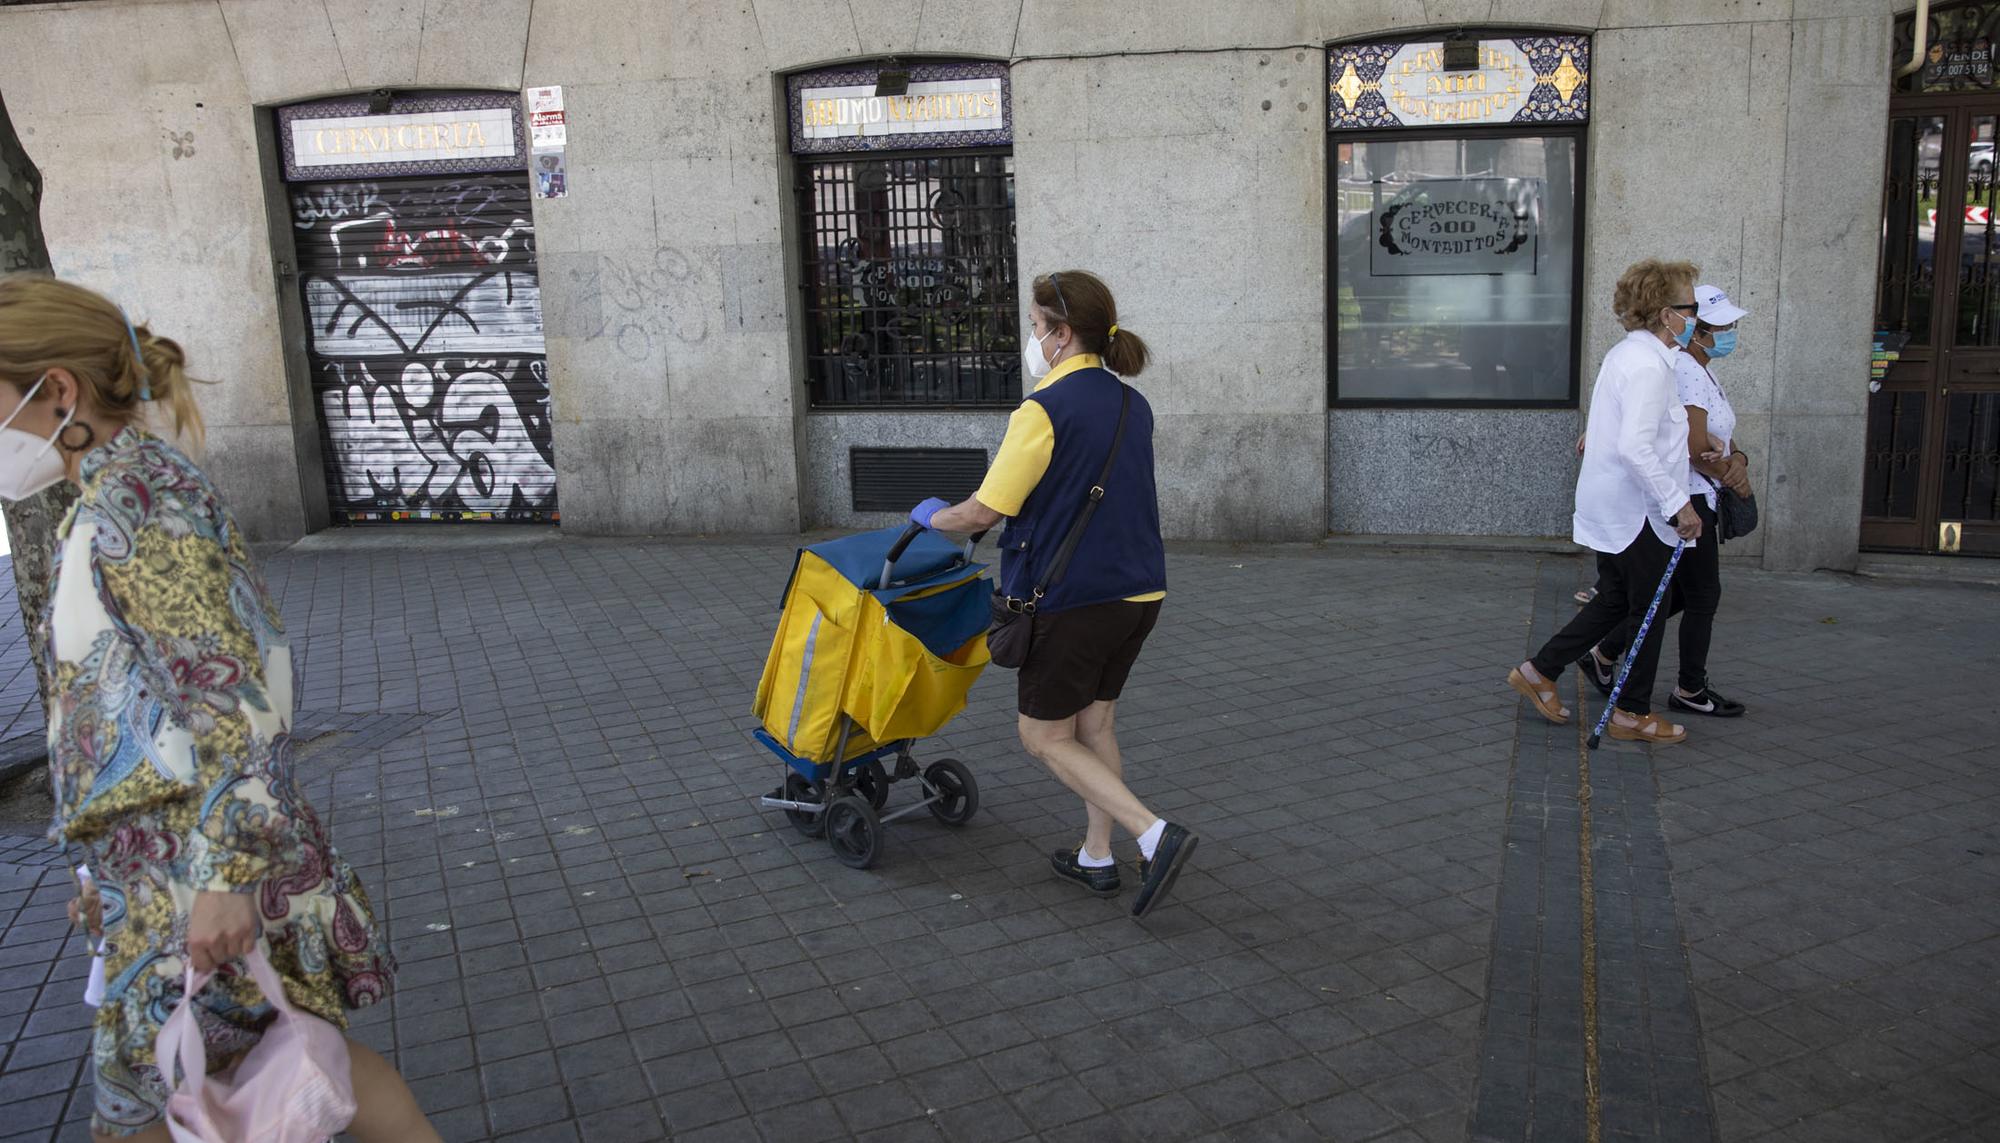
{"type": "Point", "coordinates": [910, 280]}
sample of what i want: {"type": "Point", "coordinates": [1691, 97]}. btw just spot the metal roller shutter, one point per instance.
{"type": "Point", "coordinates": [424, 319]}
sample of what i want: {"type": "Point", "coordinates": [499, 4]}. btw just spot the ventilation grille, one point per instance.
{"type": "Point", "coordinates": [896, 479]}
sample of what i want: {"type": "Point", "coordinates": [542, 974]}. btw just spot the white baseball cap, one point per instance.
{"type": "Point", "coordinates": [1713, 307]}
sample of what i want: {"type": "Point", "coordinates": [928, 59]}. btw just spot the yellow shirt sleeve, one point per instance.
{"type": "Point", "coordinates": [1022, 460]}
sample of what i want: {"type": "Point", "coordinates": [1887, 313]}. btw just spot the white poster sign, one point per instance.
{"type": "Point", "coordinates": [548, 127]}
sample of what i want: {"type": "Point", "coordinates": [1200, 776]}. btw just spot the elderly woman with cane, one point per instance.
{"type": "Point", "coordinates": [1632, 503]}
{"type": "Point", "coordinates": [169, 721]}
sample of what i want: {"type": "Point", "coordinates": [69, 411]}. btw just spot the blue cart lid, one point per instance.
{"type": "Point", "coordinates": [858, 558]}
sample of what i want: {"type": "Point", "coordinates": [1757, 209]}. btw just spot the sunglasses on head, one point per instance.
{"type": "Point", "coordinates": [1055, 281]}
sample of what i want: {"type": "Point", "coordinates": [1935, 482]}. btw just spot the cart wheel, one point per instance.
{"type": "Point", "coordinates": [854, 831]}
{"type": "Point", "coordinates": [958, 794]}
{"type": "Point", "coordinates": [797, 789]}
{"type": "Point", "coordinates": [872, 782]}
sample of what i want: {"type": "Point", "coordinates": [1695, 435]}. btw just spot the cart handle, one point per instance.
{"type": "Point", "coordinates": [902, 545]}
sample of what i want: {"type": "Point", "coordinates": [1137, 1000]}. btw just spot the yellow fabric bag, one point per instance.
{"type": "Point", "coordinates": [838, 652]}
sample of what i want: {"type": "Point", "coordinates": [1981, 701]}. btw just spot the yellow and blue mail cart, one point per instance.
{"type": "Point", "coordinates": [881, 636]}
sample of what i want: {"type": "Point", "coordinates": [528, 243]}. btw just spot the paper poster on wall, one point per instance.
{"type": "Point", "coordinates": [548, 127]}
{"type": "Point", "coordinates": [1456, 226]}
{"type": "Point", "coordinates": [548, 134]}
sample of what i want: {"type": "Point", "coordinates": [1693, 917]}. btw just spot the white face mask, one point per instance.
{"type": "Point", "coordinates": [29, 463]}
{"type": "Point", "coordinates": [1036, 360]}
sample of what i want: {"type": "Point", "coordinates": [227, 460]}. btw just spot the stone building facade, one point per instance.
{"type": "Point", "coordinates": [720, 340]}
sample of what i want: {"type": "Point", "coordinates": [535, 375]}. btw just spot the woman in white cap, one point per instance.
{"type": "Point", "coordinates": [1714, 463]}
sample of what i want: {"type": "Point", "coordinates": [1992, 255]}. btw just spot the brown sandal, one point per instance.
{"type": "Point", "coordinates": [1652, 728]}
{"type": "Point", "coordinates": [1545, 697]}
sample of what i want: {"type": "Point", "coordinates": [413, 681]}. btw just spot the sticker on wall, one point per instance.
{"type": "Point", "coordinates": [551, 175]}
{"type": "Point", "coordinates": [1533, 79]}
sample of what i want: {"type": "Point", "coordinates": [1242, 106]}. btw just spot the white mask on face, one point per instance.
{"type": "Point", "coordinates": [29, 463]}
{"type": "Point", "coordinates": [1036, 360]}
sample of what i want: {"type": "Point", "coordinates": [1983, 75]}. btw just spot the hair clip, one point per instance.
{"type": "Point", "coordinates": [138, 359]}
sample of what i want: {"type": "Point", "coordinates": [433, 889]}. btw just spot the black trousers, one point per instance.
{"type": "Point", "coordinates": [1625, 585]}
{"type": "Point", "coordinates": [1696, 593]}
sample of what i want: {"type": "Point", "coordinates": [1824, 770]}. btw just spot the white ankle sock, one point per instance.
{"type": "Point", "coordinates": [1150, 840]}
{"type": "Point", "coordinates": [1084, 859]}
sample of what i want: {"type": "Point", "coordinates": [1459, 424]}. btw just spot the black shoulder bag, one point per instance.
{"type": "Point", "coordinates": [1008, 640]}
{"type": "Point", "coordinates": [1735, 516]}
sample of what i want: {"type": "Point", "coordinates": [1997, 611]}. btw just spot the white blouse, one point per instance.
{"type": "Point", "coordinates": [1635, 453]}
{"type": "Point", "coordinates": [1699, 388]}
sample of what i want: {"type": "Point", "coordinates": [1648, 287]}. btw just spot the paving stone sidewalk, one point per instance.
{"type": "Point", "coordinates": [537, 756]}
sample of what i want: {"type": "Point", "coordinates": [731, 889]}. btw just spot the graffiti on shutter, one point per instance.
{"type": "Point", "coordinates": [424, 313]}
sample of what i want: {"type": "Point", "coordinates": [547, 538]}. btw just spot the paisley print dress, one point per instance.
{"type": "Point", "coordinates": [170, 755]}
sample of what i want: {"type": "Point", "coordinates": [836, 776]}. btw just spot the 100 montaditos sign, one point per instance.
{"type": "Point", "coordinates": [1457, 226]}
{"type": "Point", "coordinates": [940, 105]}
{"type": "Point", "coordinates": [1533, 79]}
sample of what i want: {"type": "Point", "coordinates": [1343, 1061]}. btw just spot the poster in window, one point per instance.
{"type": "Point", "coordinates": [1959, 52]}
{"type": "Point", "coordinates": [1456, 226]}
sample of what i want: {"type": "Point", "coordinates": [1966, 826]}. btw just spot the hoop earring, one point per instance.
{"type": "Point", "coordinates": [89, 437]}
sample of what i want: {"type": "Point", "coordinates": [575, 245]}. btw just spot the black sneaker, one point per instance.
{"type": "Point", "coordinates": [1157, 875]}
{"type": "Point", "coordinates": [1600, 676]}
{"type": "Point", "coordinates": [1706, 701]}
{"type": "Point", "coordinates": [1101, 880]}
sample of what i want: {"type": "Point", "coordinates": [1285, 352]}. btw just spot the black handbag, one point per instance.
{"type": "Point", "coordinates": [1734, 515]}
{"type": "Point", "coordinates": [1012, 633]}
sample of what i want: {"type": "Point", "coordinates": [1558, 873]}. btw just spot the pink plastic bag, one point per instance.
{"type": "Point", "coordinates": [295, 1086]}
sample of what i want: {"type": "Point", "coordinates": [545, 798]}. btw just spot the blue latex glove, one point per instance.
{"type": "Point", "coordinates": [923, 513]}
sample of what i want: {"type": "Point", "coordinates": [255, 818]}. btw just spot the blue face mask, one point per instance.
{"type": "Point", "coordinates": [1686, 336]}
{"type": "Point", "coordinates": [1725, 344]}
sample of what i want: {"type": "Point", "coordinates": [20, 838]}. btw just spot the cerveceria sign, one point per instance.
{"type": "Point", "coordinates": [393, 137]}
{"type": "Point", "coordinates": [1457, 226]}
{"type": "Point", "coordinates": [426, 134]}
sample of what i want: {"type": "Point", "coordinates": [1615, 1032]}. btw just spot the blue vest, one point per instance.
{"type": "Point", "coordinates": [1120, 554]}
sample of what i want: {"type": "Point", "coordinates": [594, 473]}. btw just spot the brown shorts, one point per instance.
{"type": "Point", "coordinates": [1082, 655]}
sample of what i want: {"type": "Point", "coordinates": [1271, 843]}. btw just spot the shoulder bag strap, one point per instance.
{"type": "Point", "coordinates": [1061, 563]}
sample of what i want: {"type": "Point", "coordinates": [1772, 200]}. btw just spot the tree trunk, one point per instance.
{"type": "Point", "coordinates": [31, 523]}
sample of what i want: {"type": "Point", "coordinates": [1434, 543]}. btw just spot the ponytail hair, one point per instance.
{"type": "Point", "coordinates": [1080, 300]}
{"type": "Point", "coordinates": [47, 323]}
